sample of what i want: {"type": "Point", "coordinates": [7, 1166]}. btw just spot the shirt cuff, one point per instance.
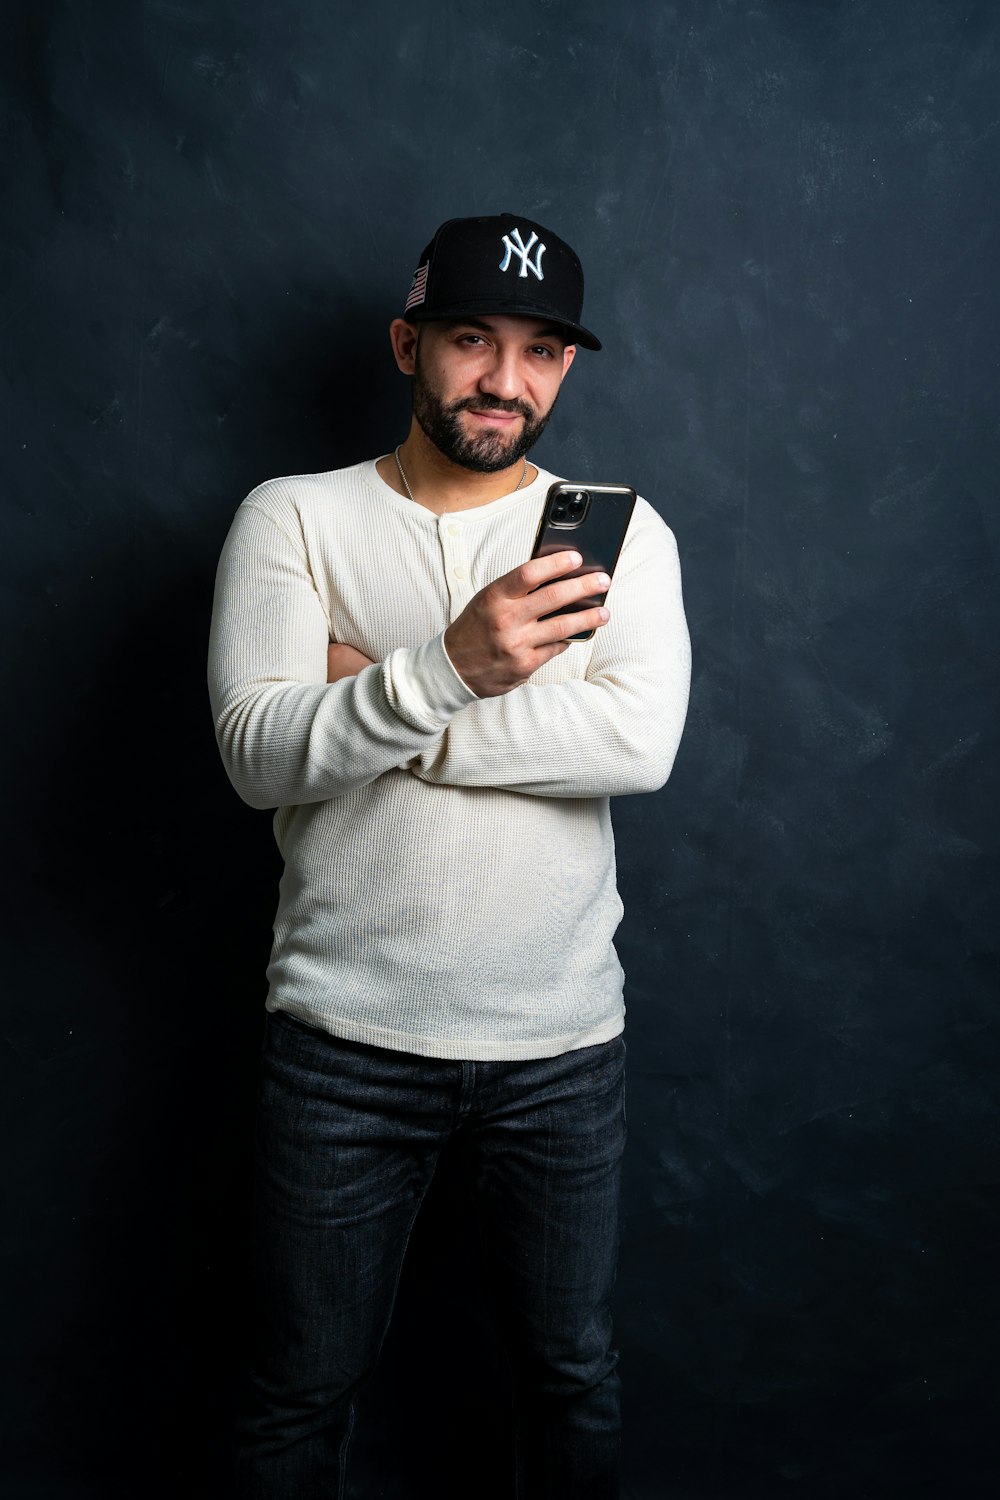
{"type": "Point", "coordinates": [423, 686]}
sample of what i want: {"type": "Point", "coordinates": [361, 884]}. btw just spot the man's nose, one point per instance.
{"type": "Point", "coordinates": [503, 378]}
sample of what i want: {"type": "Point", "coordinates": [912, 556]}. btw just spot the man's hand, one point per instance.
{"type": "Point", "coordinates": [344, 661]}
{"type": "Point", "coordinates": [498, 640]}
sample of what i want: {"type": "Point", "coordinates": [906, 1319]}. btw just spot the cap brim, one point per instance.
{"type": "Point", "coordinates": [489, 308]}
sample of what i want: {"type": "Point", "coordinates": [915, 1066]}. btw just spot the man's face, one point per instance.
{"type": "Point", "coordinates": [484, 388]}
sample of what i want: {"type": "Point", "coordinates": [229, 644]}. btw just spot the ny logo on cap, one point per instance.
{"type": "Point", "coordinates": [516, 246]}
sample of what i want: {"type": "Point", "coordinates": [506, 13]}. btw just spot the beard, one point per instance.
{"type": "Point", "coordinates": [484, 452]}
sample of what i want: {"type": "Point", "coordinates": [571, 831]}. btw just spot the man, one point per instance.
{"type": "Point", "coordinates": [387, 671]}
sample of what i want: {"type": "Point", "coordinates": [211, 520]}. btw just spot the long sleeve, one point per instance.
{"type": "Point", "coordinates": [286, 737]}
{"type": "Point", "coordinates": [611, 732]}
{"type": "Point", "coordinates": [449, 920]}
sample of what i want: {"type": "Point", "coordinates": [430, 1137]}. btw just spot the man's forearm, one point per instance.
{"type": "Point", "coordinates": [286, 736]}
{"type": "Point", "coordinates": [586, 739]}
{"type": "Point", "coordinates": [611, 732]}
{"type": "Point", "coordinates": [567, 739]}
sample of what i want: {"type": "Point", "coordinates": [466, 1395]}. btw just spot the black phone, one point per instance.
{"type": "Point", "coordinates": [593, 519]}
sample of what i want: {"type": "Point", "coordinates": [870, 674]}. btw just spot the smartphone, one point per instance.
{"type": "Point", "coordinates": [593, 519]}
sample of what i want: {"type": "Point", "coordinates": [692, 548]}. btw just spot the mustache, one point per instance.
{"type": "Point", "coordinates": [486, 402]}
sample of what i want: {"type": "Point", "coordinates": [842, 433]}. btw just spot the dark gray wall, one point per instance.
{"type": "Point", "coordinates": [788, 212]}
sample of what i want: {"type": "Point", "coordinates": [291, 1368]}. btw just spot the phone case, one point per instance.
{"type": "Point", "coordinates": [592, 518]}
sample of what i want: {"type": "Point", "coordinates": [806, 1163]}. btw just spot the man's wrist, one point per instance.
{"type": "Point", "coordinates": [423, 685]}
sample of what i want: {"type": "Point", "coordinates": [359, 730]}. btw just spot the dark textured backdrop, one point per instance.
{"type": "Point", "coordinates": [789, 216]}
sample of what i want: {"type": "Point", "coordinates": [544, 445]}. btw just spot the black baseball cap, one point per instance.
{"type": "Point", "coordinates": [504, 264]}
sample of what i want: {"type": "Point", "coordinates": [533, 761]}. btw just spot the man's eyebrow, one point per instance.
{"type": "Point", "coordinates": [469, 323]}
{"type": "Point", "coordinates": [543, 331]}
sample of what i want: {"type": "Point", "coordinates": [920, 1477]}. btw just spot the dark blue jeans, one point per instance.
{"type": "Point", "coordinates": [348, 1136]}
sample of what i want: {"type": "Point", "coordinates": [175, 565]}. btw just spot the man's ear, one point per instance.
{"type": "Point", "coordinates": [569, 354]}
{"type": "Point", "coordinates": [404, 336]}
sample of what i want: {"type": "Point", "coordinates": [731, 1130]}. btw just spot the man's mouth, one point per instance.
{"type": "Point", "coordinates": [493, 418]}
{"type": "Point", "coordinates": [491, 411]}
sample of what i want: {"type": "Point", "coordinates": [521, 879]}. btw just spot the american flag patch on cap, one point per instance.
{"type": "Point", "coordinates": [419, 288]}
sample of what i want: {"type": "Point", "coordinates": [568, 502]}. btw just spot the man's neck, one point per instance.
{"type": "Point", "coordinates": [440, 485]}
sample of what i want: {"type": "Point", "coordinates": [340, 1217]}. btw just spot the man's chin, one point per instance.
{"type": "Point", "coordinates": [497, 446]}
{"type": "Point", "coordinates": [483, 453]}
{"type": "Point", "coordinates": [490, 453]}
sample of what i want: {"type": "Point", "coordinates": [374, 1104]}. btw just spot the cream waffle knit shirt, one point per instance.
{"type": "Point", "coordinates": [449, 882]}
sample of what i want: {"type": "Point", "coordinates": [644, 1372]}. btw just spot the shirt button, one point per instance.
{"type": "Point", "coordinates": [454, 530]}
{"type": "Point", "coordinates": [458, 572]}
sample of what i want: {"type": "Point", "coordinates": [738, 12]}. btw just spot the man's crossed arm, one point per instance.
{"type": "Point", "coordinates": [500, 639]}
{"type": "Point", "coordinates": [614, 731]}
{"type": "Point", "coordinates": [288, 737]}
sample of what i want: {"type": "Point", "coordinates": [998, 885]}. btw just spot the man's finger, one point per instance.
{"type": "Point", "coordinates": [568, 591]}
{"type": "Point", "coordinates": [528, 577]}
{"type": "Point", "coordinates": [344, 661]}
{"type": "Point", "coordinates": [574, 622]}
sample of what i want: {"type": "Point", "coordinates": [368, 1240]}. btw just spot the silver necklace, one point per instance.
{"type": "Point", "coordinates": [406, 482]}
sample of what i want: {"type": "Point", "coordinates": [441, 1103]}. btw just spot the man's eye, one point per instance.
{"type": "Point", "coordinates": [544, 351]}
{"type": "Point", "coordinates": [472, 338]}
